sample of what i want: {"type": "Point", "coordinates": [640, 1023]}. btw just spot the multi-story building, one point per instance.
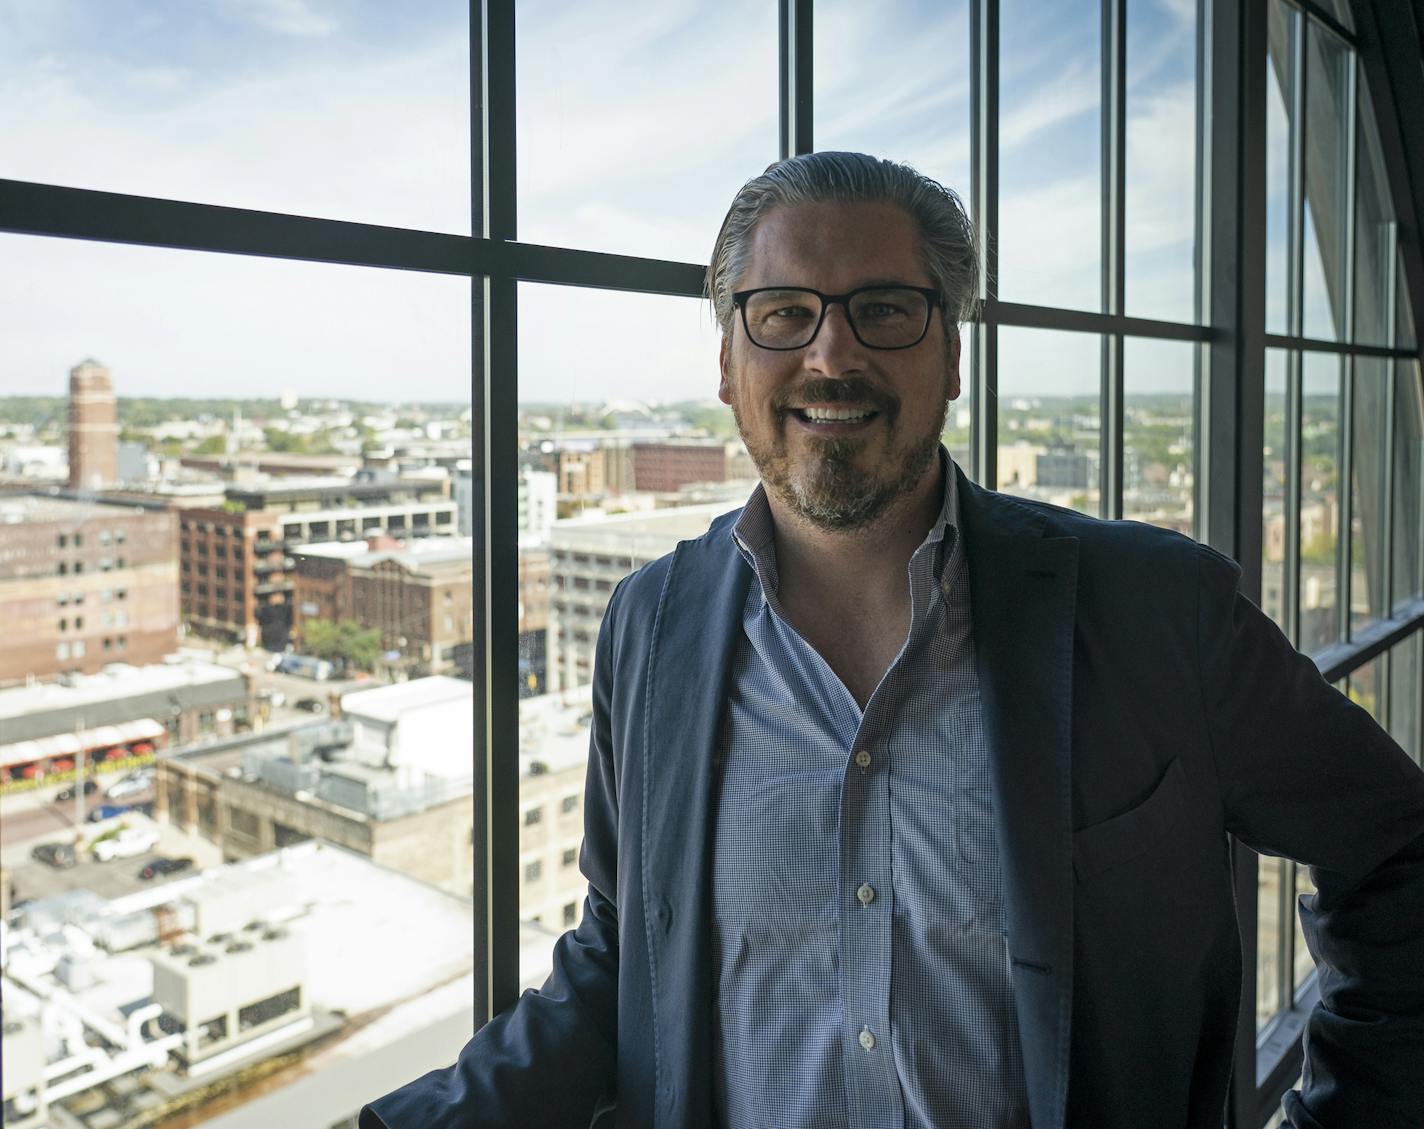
{"type": "Point", "coordinates": [580, 472]}
{"type": "Point", "coordinates": [586, 561]}
{"type": "Point", "coordinates": [670, 465]}
{"type": "Point", "coordinates": [418, 595]}
{"type": "Point", "coordinates": [83, 584]}
{"type": "Point", "coordinates": [237, 574]}
{"type": "Point", "coordinates": [533, 619]}
{"type": "Point", "coordinates": [93, 427]}
{"type": "Point", "coordinates": [538, 493]}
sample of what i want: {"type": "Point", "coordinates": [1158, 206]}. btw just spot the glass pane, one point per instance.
{"type": "Point", "coordinates": [1304, 962]}
{"type": "Point", "coordinates": [1327, 169]}
{"type": "Point", "coordinates": [1374, 234]}
{"type": "Point", "coordinates": [1340, 9]}
{"type": "Point", "coordinates": [622, 456]}
{"type": "Point", "coordinates": [1406, 695]}
{"type": "Point", "coordinates": [1273, 491]}
{"type": "Point", "coordinates": [249, 628]}
{"type": "Point", "coordinates": [1159, 432]}
{"type": "Point", "coordinates": [1161, 163]}
{"type": "Point", "coordinates": [1281, 27]}
{"type": "Point", "coordinates": [1049, 416]}
{"type": "Point", "coordinates": [1408, 571]}
{"type": "Point", "coordinates": [959, 420]}
{"type": "Point", "coordinates": [354, 112]}
{"type": "Point", "coordinates": [1364, 689]}
{"type": "Point", "coordinates": [923, 117]}
{"type": "Point", "coordinates": [1050, 145]}
{"type": "Point", "coordinates": [1404, 320]}
{"type": "Point", "coordinates": [1369, 520]}
{"type": "Point", "coordinates": [600, 87]}
{"type": "Point", "coordinates": [1268, 925]}
{"type": "Point", "coordinates": [1319, 501]}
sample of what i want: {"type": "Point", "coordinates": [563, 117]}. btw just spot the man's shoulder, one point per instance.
{"type": "Point", "coordinates": [642, 588]}
{"type": "Point", "coordinates": [1125, 548]}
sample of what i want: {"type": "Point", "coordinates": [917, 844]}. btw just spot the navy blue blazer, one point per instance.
{"type": "Point", "coordinates": [1139, 710]}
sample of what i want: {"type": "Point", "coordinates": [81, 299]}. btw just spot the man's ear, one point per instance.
{"type": "Point", "coordinates": [724, 389]}
{"type": "Point", "coordinates": [954, 343]}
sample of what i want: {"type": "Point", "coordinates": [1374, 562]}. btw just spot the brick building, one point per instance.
{"type": "Point", "coordinates": [84, 584]}
{"type": "Point", "coordinates": [664, 467]}
{"type": "Point", "coordinates": [237, 570]}
{"type": "Point", "coordinates": [93, 427]}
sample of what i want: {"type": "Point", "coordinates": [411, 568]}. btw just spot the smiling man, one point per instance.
{"type": "Point", "coordinates": [908, 802]}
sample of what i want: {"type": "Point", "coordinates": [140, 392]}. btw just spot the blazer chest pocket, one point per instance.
{"type": "Point", "coordinates": [1136, 831]}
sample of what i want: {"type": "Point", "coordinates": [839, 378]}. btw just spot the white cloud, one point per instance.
{"type": "Point", "coordinates": [298, 18]}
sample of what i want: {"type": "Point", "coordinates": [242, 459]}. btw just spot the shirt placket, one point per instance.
{"type": "Point", "coordinates": [867, 909]}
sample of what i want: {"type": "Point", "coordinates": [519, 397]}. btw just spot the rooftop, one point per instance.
{"type": "Point", "coordinates": [387, 703]}
{"type": "Point", "coordinates": [27, 508]}
{"type": "Point", "coordinates": [117, 680]}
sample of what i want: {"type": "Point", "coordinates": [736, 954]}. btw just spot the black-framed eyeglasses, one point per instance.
{"type": "Point", "coordinates": [881, 317]}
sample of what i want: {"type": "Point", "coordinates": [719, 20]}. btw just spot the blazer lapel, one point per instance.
{"type": "Point", "coordinates": [1023, 590]}
{"type": "Point", "coordinates": [694, 643]}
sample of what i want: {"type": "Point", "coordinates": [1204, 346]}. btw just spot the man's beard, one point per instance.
{"type": "Point", "coordinates": [831, 493]}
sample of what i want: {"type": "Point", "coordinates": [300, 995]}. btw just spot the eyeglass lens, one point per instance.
{"type": "Point", "coordinates": [883, 318]}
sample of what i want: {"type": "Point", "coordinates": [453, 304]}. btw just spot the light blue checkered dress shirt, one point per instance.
{"type": "Point", "coordinates": [862, 967]}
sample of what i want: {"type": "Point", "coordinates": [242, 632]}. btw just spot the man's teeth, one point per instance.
{"type": "Point", "coordinates": [835, 415]}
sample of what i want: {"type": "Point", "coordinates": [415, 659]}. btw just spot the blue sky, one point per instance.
{"type": "Point", "coordinates": [635, 131]}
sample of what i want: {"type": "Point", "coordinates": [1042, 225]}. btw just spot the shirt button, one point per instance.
{"type": "Point", "coordinates": [866, 894]}
{"type": "Point", "coordinates": [862, 758]}
{"type": "Point", "coordinates": [867, 1040]}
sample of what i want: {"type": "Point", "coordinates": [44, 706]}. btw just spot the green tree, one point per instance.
{"type": "Point", "coordinates": [212, 445]}
{"type": "Point", "coordinates": [343, 641]}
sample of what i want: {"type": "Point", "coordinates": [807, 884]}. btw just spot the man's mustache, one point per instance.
{"type": "Point", "coordinates": [829, 391]}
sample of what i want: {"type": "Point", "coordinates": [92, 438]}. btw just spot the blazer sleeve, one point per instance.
{"type": "Point", "coordinates": [1305, 773]}
{"type": "Point", "coordinates": [549, 1060]}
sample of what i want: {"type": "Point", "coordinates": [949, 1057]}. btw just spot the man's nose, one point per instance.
{"type": "Point", "coordinates": [836, 346]}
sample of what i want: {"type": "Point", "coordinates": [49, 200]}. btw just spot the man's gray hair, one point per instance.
{"type": "Point", "coordinates": [947, 247]}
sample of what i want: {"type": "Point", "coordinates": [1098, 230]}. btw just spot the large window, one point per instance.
{"type": "Point", "coordinates": [353, 357]}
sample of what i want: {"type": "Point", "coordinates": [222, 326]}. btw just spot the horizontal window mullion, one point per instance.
{"type": "Point", "coordinates": [1342, 659]}
{"type": "Point", "coordinates": [1343, 348]}
{"type": "Point", "coordinates": [1082, 321]}
{"type": "Point", "coordinates": [27, 208]}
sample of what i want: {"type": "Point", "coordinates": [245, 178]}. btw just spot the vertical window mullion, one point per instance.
{"type": "Point", "coordinates": [795, 53]}
{"type": "Point", "coordinates": [984, 114]}
{"type": "Point", "coordinates": [1295, 259]}
{"type": "Point", "coordinates": [1114, 156]}
{"type": "Point", "coordinates": [498, 460]}
{"type": "Point", "coordinates": [1345, 546]}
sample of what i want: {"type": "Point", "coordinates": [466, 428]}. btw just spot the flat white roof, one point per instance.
{"type": "Point", "coordinates": [387, 703]}
{"type": "Point", "coordinates": [118, 680]}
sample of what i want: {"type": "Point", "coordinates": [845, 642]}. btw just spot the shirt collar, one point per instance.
{"type": "Point", "coordinates": [754, 535]}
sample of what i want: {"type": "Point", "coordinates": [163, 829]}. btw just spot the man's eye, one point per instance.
{"type": "Point", "coordinates": [881, 310]}
{"type": "Point", "coordinates": [790, 312]}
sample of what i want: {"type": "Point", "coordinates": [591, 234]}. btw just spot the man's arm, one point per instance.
{"type": "Point", "coordinates": [549, 1060]}
{"type": "Point", "coordinates": [1305, 773]}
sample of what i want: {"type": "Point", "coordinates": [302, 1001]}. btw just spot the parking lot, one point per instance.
{"type": "Point", "coordinates": [32, 879]}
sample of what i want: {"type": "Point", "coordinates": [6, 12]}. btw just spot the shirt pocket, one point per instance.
{"type": "Point", "coordinates": [1135, 832]}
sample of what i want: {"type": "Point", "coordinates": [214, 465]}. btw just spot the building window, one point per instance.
{"type": "Point", "coordinates": [533, 872]}
{"type": "Point", "coordinates": [103, 536]}
{"type": "Point", "coordinates": [119, 563]}
{"type": "Point", "coordinates": [570, 856]}
{"type": "Point", "coordinates": [533, 816]}
{"type": "Point", "coordinates": [121, 593]}
{"type": "Point", "coordinates": [64, 625]}
{"type": "Point", "coordinates": [120, 536]}
{"type": "Point", "coordinates": [63, 540]}
{"type": "Point", "coordinates": [568, 804]}
{"type": "Point", "coordinates": [79, 623]}
{"type": "Point", "coordinates": [62, 599]}
{"type": "Point", "coordinates": [78, 540]}
{"type": "Point", "coordinates": [78, 565]}
{"type": "Point", "coordinates": [61, 651]}
{"type": "Point", "coordinates": [106, 595]}
{"type": "Point", "coordinates": [123, 642]}
{"type": "Point", "coordinates": [570, 913]}
{"type": "Point", "coordinates": [63, 568]}
{"type": "Point", "coordinates": [77, 650]}
{"type": "Point", "coordinates": [105, 564]}
{"type": "Point", "coordinates": [108, 643]}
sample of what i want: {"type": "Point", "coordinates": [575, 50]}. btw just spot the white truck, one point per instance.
{"type": "Point", "coordinates": [128, 842]}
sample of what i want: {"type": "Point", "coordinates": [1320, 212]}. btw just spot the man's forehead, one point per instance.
{"type": "Point", "coordinates": [869, 241]}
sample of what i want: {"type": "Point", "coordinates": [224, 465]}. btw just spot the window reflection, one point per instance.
{"type": "Point", "coordinates": [1274, 532]}
{"type": "Point", "coordinates": [1327, 170]}
{"type": "Point", "coordinates": [1369, 522]}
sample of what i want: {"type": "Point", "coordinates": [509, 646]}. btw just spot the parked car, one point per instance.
{"type": "Point", "coordinates": [311, 705]}
{"type": "Point", "coordinates": [135, 784]}
{"type": "Point", "coordinates": [128, 842]}
{"type": "Point", "coordinates": [59, 855]}
{"type": "Point", "coordinates": [164, 865]}
{"type": "Point", "coordinates": [108, 811]}
{"type": "Point", "coordinates": [67, 793]}
{"type": "Point", "coordinates": [274, 698]}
